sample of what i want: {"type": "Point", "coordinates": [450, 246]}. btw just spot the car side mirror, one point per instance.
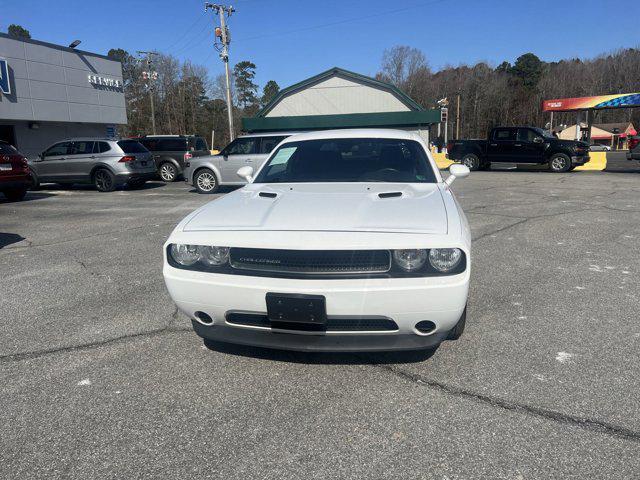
{"type": "Point", "coordinates": [538, 140]}
{"type": "Point", "coordinates": [457, 171]}
{"type": "Point", "coordinates": [246, 173]}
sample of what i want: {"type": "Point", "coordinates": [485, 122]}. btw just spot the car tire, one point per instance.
{"type": "Point", "coordinates": [456, 332]}
{"type": "Point", "coordinates": [205, 181]}
{"type": "Point", "coordinates": [104, 180]}
{"type": "Point", "coordinates": [559, 163]}
{"type": "Point", "coordinates": [15, 195]}
{"type": "Point", "coordinates": [35, 183]}
{"type": "Point", "coordinates": [168, 172]}
{"type": "Point", "coordinates": [472, 161]}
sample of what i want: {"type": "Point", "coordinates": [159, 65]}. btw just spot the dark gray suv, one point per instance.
{"type": "Point", "coordinates": [105, 162]}
{"type": "Point", "coordinates": [172, 152]}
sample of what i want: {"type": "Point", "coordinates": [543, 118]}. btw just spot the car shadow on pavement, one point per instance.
{"type": "Point", "coordinates": [31, 195]}
{"type": "Point", "coordinates": [322, 358]}
{"type": "Point", "coordinates": [9, 238]}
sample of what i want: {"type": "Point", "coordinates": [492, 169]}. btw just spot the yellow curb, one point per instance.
{"type": "Point", "coordinates": [597, 162]}
{"type": "Point", "coordinates": [441, 160]}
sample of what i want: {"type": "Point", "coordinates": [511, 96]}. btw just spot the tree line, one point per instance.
{"type": "Point", "coordinates": [512, 94]}
{"type": "Point", "coordinates": [186, 100]}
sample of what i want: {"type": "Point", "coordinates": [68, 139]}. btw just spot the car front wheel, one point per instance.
{"type": "Point", "coordinates": [559, 163]}
{"type": "Point", "coordinates": [168, 172]}
{"type": "Point", "coordinates": [456, 332]}
{"type": "Point", "coordinates": [205, 181]}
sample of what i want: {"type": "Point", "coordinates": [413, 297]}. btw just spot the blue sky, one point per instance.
{"type": "Point", "coordinates": [291, 40]}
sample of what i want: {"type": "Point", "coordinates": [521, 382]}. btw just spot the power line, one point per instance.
{"type": "Point", "coordinates": [340, 22]}
{"type": "Point", "coordinates": [197, 38]}
{"type": "Point", "coordinates": [187, 31]}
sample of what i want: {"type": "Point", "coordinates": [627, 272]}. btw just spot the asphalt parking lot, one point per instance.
{"type": "Point", "coordinates": [102, 378]}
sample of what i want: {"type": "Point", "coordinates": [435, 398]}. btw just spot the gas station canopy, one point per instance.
{"type": "Point", "coordinates": [620, 100]}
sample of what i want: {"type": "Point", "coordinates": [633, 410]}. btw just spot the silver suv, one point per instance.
{"type": "Point", "coordinates": [207, 173]}
{"type": "Point", "coordinates": [105, 162]}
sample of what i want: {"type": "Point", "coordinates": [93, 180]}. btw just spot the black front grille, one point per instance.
{"type": "Point", "coordinates": [335, 324]}
{"type": "Point", "coordinates": [313, 262]}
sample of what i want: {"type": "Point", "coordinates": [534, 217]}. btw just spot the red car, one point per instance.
{"type": "Point", "coordinates": [15, 176]}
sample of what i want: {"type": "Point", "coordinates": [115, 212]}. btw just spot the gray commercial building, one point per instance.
{"type": "Point", "coordinates": [50, 92]}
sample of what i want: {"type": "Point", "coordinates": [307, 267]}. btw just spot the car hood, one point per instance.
{"type": "Point", "coordinates": [346, 207]}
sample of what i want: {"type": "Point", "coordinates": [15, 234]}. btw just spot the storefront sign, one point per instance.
{"type": "Point", "coordinates": [5, 85]}
{"type": "Point", "coordinates": [104, 81]}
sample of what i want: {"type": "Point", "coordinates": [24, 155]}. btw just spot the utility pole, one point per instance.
{"type": "Point", "coordinates": [150, 76]}
{"type": "Point", "coordinates": [458, 118]}
{"type": "Point", "coordinates": [222, 32]}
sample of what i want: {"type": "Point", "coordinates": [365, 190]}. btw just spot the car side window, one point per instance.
{"type": "Point", "coordinates": [172, 145]}
{"type": "Point", "coordinates": [267, 144]}
{"type": "Point", "coordinates": [504, 134]}
{"type": "Point", "coordinates": [242, 146]}
{"type": "Point", "coordinates": [201, 145]}
{"type": "Point", "coordinates": [62, 148]}
{"type": "Point", "coordinates": [101, 147]}
{"type": "Point", "coordinates": [82, 148]}
{"type": "Point", "coordinates": [526, 135]}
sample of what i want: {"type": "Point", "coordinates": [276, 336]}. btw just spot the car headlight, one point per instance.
{"type": "Point", "coordinates": [214, 256]}
{"type": "Point", "coordinates": [188, 255]}
{"type": "Point", "coordinates": [445, 259]}
{"type": "Point", "coordinates": [410, 260]}
{"type": "Point", "coordinates": [185, 255]}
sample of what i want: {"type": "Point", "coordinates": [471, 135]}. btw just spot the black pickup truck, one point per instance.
{"type": "Point", "coordinates": [519, 145]}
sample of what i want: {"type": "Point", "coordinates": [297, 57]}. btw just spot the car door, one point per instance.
{"type": "Point", "coordinates": [529, 146]}
{"type": "Point", "coordinates": [51, 166]}
{"type": "Point", "coordinates": [79, 162]}
{"type": "Point", "coordinates": [501, 145]}
{"type": "Point", "coordinates": [241, 152]}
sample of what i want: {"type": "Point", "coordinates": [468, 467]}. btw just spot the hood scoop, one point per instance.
{"type": "Point", "coordinates": [268, 194]}
{"type": "Point", "coordinates": [389, 194]}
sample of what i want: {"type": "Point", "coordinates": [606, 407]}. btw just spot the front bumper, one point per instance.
{"type": "Point", "coordinates": [406, 301]}
{"type": "Point", "coordinates": [580, 159]}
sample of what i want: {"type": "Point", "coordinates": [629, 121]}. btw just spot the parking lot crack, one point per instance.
{"type": "Point", "coordinates": [168, 329]}
{"type": "Point", "coordinates": [596, 426]}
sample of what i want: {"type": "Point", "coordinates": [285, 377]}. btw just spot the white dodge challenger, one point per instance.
{"type": "Point", "coordinates": [343, 240]}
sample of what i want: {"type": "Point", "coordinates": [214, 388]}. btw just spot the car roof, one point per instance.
{"type": "Point", "coordinates": [354, 133]}
{"type": "Point", "coordinates": [268, 134]}
{"type": "Point", "coordinates": [94, 139]}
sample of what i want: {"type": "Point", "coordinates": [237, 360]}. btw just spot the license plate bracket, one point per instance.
{"type": "Point", "coordinates": [297, 311]}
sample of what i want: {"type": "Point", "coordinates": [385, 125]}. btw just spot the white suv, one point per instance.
{"type": "Point", "coordinates": [344, 240]}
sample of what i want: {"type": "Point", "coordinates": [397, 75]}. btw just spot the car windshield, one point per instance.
{"type": "Point", "coordinates": [348, 160]}
{"type": "Point", "coordinates": [544, 133]}
{"type": "Point", "coordinates": [132, 146]}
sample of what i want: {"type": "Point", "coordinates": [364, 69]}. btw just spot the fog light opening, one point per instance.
{"type": "Point", "coordinates": [203, 318]}
{"type": "Point", "coordinates": [425, 327]}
